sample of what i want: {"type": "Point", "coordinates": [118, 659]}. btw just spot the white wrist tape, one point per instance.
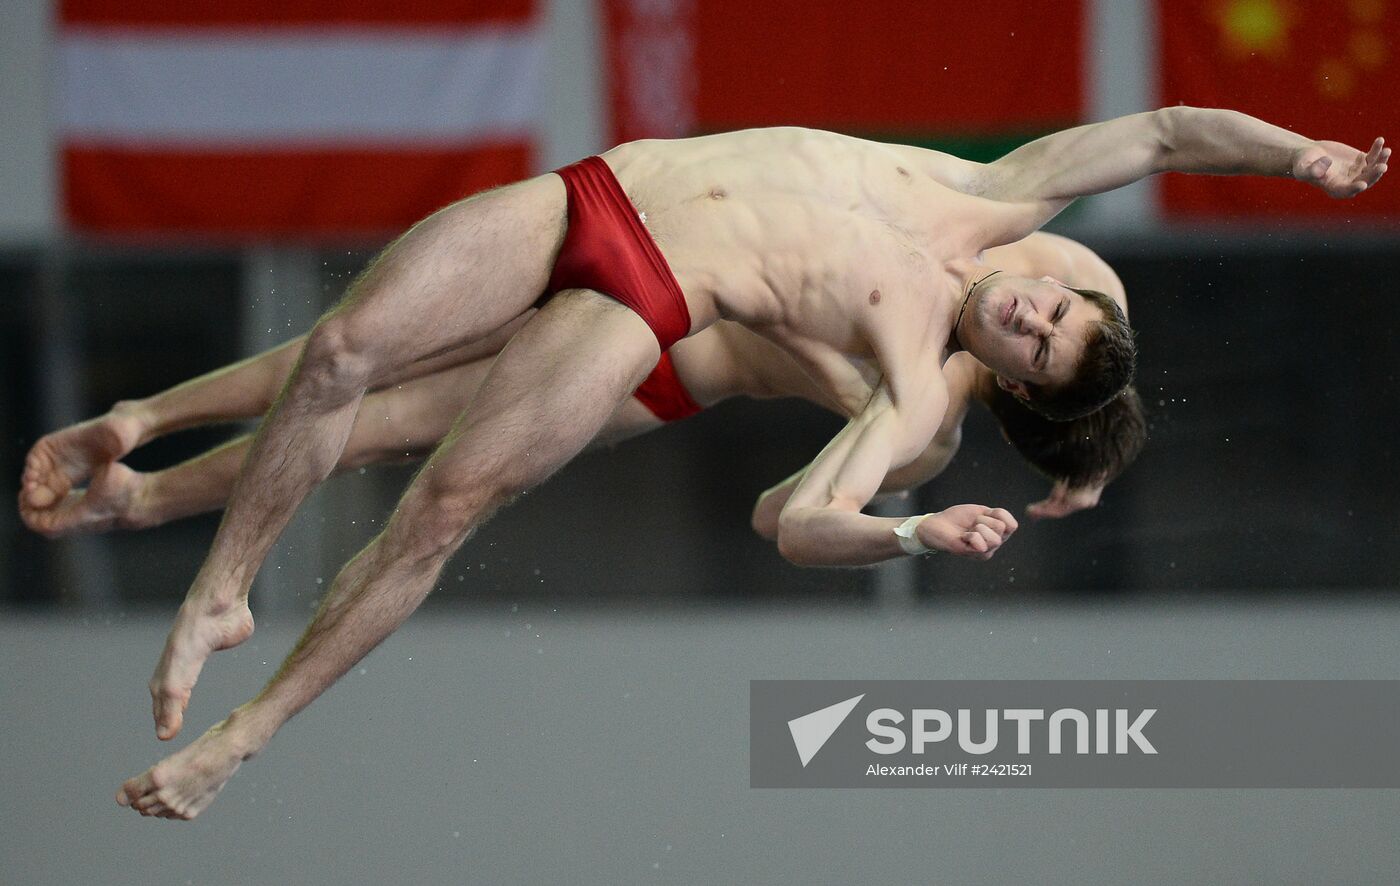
{"type": "Point", "coordinates": [907, 535]}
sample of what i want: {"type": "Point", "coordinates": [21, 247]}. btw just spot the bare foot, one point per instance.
{"type": "Point", "coordinates": [199, 632]}
{"type": "Point", "coordinates": [63, 459]}
{"type": "Point", "coordinates": [112, 500]}
{"type": "Point", "coordinates": [185, 783]}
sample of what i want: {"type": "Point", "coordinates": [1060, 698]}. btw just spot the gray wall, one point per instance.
{"type": "Point", "coordinates": [26, 152]}
{"type": "Point", "coordinates": [613, 748]}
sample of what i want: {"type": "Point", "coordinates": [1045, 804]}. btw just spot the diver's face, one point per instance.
{"type": "Point", "coordinates": [1027, 331]}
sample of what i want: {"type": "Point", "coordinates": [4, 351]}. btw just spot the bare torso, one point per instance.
{"type": "Point", "coordinates": [730, 360]}
{"type": "Point", "coordinates": [832, 247]}
{"type": "Point", "coordinates": [820, 262]}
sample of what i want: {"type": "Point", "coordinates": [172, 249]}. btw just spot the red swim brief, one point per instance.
{"type": "Point", "coordinates": [608, 249]}
{"type": "Point", "coordinates": [664, 395]}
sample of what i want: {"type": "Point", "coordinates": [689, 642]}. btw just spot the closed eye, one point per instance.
{"type": "Point", "coordinates": [1041, 356]}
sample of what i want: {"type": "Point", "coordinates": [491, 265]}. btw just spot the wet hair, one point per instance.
{"type": "Point", "coordinates": [1089, 450]}
{"type": "Point", "coordinates": [1105, 369]}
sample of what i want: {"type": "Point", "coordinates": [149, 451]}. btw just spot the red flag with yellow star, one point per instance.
{"type": "Point", "coordinates": [1321, 68]}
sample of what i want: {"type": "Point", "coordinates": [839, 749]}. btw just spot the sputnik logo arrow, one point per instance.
{"type": "Point", "coordinates": [811, 731]}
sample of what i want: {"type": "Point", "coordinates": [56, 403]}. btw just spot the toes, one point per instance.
{"type": "Point", "coordinates": [37, 463]}
{"type": "Point", "coordinates": [146, 804]}
{"type": "Point", "coordinates": [40, 496]}
{"type": "Point", "coordinates": [168, 707]}
{"type": "Point", "coordinates": [50, 522]}
{"type": "Point", "coordinates": [170, 807]}
{"type": "Point", "coordinates": [133, 789]}
{"type": "Point", "coordinates": [150, 795]}
{"type": "Point", "coordinates": [170, 716]}
{"type": "Point", "coordinates": [43, 483]}
{"type": "Point", "coordinates": [170, 713]}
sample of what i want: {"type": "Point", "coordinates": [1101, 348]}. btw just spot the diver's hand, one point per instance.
{"type": "Point", "coordinates": [1340, 170]}
{"type": "Point", "coordinates": [1064, 500]}
{"type": "Point", "coordinates": [967, 530]}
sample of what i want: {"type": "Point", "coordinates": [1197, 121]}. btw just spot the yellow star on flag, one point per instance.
{"type": "Point", "coordinates": [1255, 27]}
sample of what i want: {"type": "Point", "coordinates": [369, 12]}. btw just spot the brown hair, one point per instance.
{"type": "Point", "coordinates": [1088, 450]}
{"type": "Point", "coordinates": [1105, 369]}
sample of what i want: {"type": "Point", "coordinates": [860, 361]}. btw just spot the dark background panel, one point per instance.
{"type": "Point", "coordinates": [1269, 375]}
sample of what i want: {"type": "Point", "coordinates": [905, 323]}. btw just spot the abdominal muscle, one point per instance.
{"type": "Point", "coordinates": [774, 226]}
{"type": "Point", "coordinates": [793, 233]}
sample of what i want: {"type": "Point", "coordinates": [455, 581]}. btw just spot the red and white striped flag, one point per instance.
{"type": "Point", "coordinates": [265, 118]}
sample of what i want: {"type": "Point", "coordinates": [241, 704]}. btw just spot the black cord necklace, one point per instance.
{"type": "Point", "coordinates": [966, 298]}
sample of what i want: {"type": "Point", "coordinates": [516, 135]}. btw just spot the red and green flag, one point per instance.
{"type": "Point", "coordinates": [977, 78]}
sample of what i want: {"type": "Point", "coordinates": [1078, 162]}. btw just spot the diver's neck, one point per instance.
{"type": "Point", "coordinates": [967, 275]}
